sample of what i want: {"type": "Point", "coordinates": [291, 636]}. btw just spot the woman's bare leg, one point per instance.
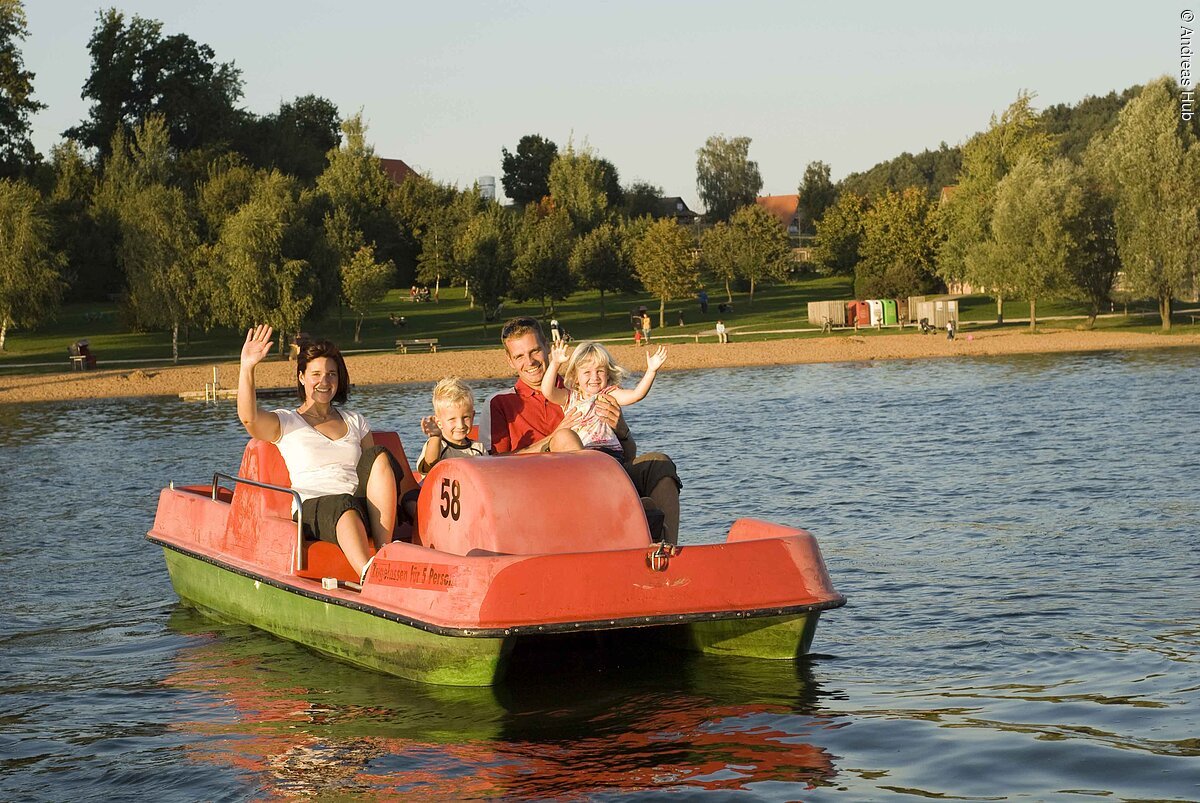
{"type": "Point", "coordinates": [381, 500]}
{"type": "Point", "coordinates": [352, 538]}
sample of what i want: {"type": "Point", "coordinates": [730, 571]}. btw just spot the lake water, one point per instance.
{"type": "Point", "coordinates": [1019, 540]}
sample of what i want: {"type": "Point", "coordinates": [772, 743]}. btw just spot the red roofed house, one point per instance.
{"type": "Point", "coordinates": [396, 170]}
{"type": "Point", "coordinates": [784, 207]}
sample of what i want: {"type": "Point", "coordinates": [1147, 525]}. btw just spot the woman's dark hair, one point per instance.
{"type": "Point", "coordinates": [313, 349]}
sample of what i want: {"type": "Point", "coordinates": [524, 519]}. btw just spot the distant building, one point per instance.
{"type": "Point", "coordinates": [676, 208]}
{"type": "Point", "coordinates": [785, 208]}
{"type": "Point", "coordinates": [487, 187]}
{"type": "Point", "coordinates": [946, 194]}
{"type": "Point", "coordinates": [396, 170]}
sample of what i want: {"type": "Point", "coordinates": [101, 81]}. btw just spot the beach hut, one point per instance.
{"type": "Point", "coordinates": [835, 311]}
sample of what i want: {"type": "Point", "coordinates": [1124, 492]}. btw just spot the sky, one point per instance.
{"type": "Point", "coordinates": [445, 86]}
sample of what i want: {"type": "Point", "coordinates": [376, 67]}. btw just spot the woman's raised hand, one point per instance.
{"type": "Point", "coordinates": [655, 359]}
{"type": "Point", "coordinates": [257, 345]}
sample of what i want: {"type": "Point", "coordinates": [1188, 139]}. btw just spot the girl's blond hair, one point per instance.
{"type": "Point", "coordinates": [587, 353]}
{"type": "Point", "coordinates": [452, 390]}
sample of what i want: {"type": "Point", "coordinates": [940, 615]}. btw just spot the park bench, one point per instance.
{"type": "Point", "coordinates": [706, 333]}
{"type": "Point", "coordinates": [405, 345]}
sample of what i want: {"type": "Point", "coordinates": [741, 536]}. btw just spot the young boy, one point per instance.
{"type": "Point", "coordinates": [449, 428]}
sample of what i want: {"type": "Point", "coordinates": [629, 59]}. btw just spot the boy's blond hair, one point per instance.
{"type": "Point", "coordinates": [452, 390]}
{"type": "Point", "coordinates": [587, 353]}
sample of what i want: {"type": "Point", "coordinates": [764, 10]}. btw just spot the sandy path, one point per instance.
{"type": "Point", "coordinates": [372, 369]}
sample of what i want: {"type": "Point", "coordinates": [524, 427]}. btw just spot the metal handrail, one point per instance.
{"type": "Point", "coordinates": [266, 485]}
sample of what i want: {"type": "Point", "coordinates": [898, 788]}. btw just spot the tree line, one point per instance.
{"type": "Point", "coordinates": [1043, 205]}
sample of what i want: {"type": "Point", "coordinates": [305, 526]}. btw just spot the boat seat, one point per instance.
{"type": "Point", "coordinates": [261, 461]}
{"type": "Point", "coordinates": [530, 504]}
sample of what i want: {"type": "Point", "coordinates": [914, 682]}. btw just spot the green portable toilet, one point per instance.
{"type": "Point", "coordinates": [889, 311]}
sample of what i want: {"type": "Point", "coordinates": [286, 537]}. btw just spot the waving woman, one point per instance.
{"type": "Point", "coordinates": [347, 484]}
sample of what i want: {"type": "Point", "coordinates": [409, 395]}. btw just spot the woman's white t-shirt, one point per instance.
{"type": "Point", "coordinates": [318, 465]}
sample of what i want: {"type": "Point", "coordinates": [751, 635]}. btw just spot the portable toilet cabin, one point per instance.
{"type": "Point", "coordinates": [876, 308]}
{"type": "Point", "coordinates": [889, 312]}
{"type": "Point", "coordinates": [858, 313]}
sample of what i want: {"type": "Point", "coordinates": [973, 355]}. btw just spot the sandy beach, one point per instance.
{"type": "Point", "coordinates": [371, 369]}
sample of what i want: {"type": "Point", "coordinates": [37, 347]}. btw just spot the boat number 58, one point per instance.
{"type": "Point", "coordinates": [451, 504]}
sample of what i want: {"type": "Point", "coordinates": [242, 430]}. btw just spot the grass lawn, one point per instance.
{"type": "Point", "coordinates": [457, 326]}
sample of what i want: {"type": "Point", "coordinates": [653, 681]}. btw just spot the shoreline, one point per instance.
{"type": "Point", "coordinates": [389, 368]}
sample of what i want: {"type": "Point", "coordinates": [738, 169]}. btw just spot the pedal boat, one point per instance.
{"type": "Point", "coordinates": [508, 549]}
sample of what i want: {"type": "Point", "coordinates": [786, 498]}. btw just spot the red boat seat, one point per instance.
{"type": "Point", "coordinates": [254, 521]}
{"type": "Point", "coordinates": [530, 504]}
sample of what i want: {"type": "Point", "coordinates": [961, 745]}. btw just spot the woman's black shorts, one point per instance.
{"type": "Point", "coordinates": [322, 513]}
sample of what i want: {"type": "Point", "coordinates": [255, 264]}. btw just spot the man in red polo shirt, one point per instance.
{"type": "Point", "coordinates": [523, 420]}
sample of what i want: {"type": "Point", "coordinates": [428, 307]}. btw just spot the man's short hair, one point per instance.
{"type": "Point", "coordinates": [519, 327]}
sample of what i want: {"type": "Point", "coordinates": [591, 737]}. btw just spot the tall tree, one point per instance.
{"type": "Point", "coordinates": [526, 176]}
{"type": "Point", "coordinates": [296, 140]}
{"type": "Point", "coordinates": [763, 250]}
{"type": "Point", "coordinates": [898, 247]}
{"type": "Point", "coordinates": [365, 282]}
{"type": "Point", "coordinates": [265, 280]}
{"type": "Point", "coordinates": [665, 262]}
{"type": "Point", "coordinates": [1031, 228]}
{"type": "Point", "coordinates": [540, 267]}
{"type": "Point", "coordinates": [966, 219]}
{"type": "Point", "coordinates": [1152, 160]}
{"type": "Point", "coordinates": [817, 193]}
{"type": "Point", "coordinates": [725, 177]}
{"type": "Point", "coordinates": [90, 270]}
{"type": "Point", "coordinates": [437, 223]}
{"type": "Point", "coordinates": [17, 153]}
{"type": "Point", "coordinates": [598, 262]}
{"type": "Point", "coordinates": [839, 236]}
{"type": "Point", "coordinates": [719, 255]}
{"type": "Point", "coordinates": [136, 72]}
{"type": "Point", "coordinates": [484, 251]}
{"type": "Point", "coordinates": [30, 286]}
{"type": "Point", "coordinates": [158, 254]}
{"type": "Point", "coordinates": [577, 185]}
{"type": "Point", "coordinates": [1094, 262]}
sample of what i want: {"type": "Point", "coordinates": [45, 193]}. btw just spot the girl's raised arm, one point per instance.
{"type": "Point", "coordinates": [550, 388]}
{"type": "Point", "coordinates": [654, 361]}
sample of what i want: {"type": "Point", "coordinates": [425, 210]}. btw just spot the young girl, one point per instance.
{"type": "Point", "coordinates": [590, 372]}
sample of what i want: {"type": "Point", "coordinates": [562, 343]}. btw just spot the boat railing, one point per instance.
{"type": "Point", "coordinates": [217, 475]}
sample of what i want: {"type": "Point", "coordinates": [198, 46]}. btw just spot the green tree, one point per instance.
{"type": "Point", "coordinates": [966, 219]}
{"type": "Point", "coordinates": [228, 187]}
{"type": "Point", "coordinates": [642, 198]}
{"type": "Point", "coordinates": [929, 171]}
{"type": "Point", "coordinates": [763, 250]}
{"type": "Point", "coordinates": [1094, 262]}
{"type": "Point", "coordinates": [542, 252]}
{"type": "Point", "coordinates": [719, 255]}
{"type": "Point", "coordinates": [158, 254]}
{"type": "Point", "coordinates": [264, 281]}
{"type": "Point", "coordinates": [1031, 230]}
{"type": "Point", "coordinates": [611, 182]}
{"type": "Point", "coordinates": [898, 248]}
{"type": "Point", "coordinates": [365, 282]}
{"type": "Point", "coordinates": [577, 185]}
{"type": "Point", "coordinates": [599, 262]}
{"type": "Point", "coordinates": [295, 140]}
{"type": "Point", "coordinates": [526, 176]}
{"type": "Point", "coordinates": [817, 193]}
{"type": "Point", "coordinates": [665, 262]}
{"type": "Point", "coordinates": [30, 285]}
{"type": "Point", "coordinates": [358, 193]}
{"type": "Point", "coordinates": [90, 268]}
{"type": "Point", "coordinates": [725, 177]}
{"type": "Point", "coordinates": [17, 153]}
{"type": "Point", "coordinates": [137, 72]}
{"type": "Point", "coordinates": [439, 223]}
{"type": "Point", "coordinates": [839, 236]}
{"type": "Point", "coordinates": [1152, 160]}
{"type": "Point", "coordinates": [484, 252]}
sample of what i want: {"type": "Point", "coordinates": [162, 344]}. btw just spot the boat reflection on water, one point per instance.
{"type": "Point", "coordinates": [297, 723]}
